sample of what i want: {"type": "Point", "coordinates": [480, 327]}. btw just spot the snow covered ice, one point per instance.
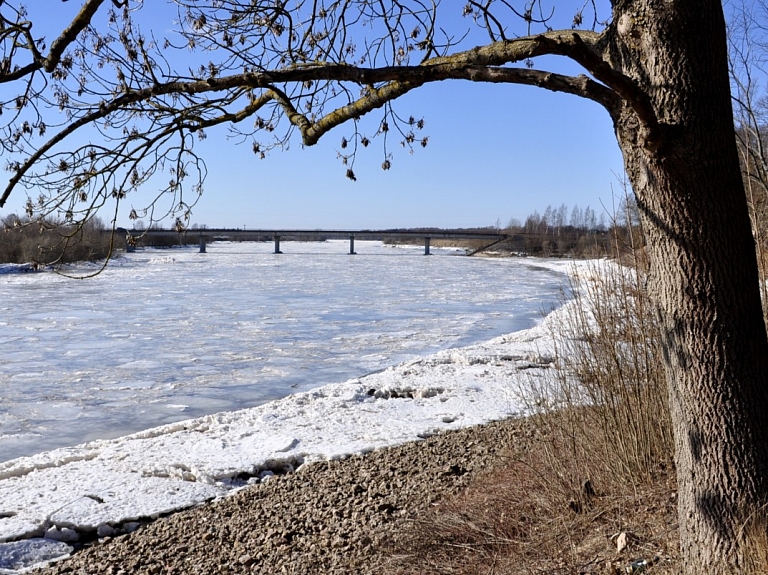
{"type": "Point", "coordinates": [175, 334]}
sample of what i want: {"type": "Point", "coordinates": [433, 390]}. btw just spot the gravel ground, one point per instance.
{"type": "Point", "coordinates": [327, 517]}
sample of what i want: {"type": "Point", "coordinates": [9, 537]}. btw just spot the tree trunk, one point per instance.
{"type": "Point", "coordinates": [703, 278]}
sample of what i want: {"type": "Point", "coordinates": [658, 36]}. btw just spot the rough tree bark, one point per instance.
{"type": "Point", "coordinates": [685, 173]}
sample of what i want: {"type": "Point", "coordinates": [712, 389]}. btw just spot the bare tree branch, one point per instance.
{"type": "Point", "coordinates": [281, 68]}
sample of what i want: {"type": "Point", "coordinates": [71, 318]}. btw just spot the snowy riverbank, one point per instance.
{"type": "Point", "coordinates": [105, 486]}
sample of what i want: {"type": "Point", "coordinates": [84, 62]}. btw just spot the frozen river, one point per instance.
{"type": "Point", "coordinates": [166, 335]}
{"type": "Point", "coordinates": [339, 355]}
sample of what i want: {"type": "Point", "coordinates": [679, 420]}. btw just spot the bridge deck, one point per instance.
{"type": "Point", "coordinates": [330, 234]}
{"type": "Point", "coordinates": [207, 235]}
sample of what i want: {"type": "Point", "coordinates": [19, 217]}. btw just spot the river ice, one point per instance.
{"type": "Point", "coordinates": [172, 363]}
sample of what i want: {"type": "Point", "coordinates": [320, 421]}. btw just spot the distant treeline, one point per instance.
{"type": "Point", "coordinates": [559, 232]}
{"type": "Point", "coordinates": [576, 232]}
{"type": "Point", "coordinates": [48, 242]}
{"type": "Point", "coordinates": [573, 232]}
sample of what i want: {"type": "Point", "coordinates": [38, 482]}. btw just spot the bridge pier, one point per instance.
{"type": "Point", "coordinates": [202, 244]}
{"type": "Point", "coordinates": [426, 245]}
{"type": "Point", "coordinates": [277, 245]}
{"type": "Point", "coordinates": [352, 251]}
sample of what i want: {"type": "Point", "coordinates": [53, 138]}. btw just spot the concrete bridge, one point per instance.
{"type": "Point", "coordinates": [222, 234]}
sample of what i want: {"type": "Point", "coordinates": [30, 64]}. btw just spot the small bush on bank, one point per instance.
{"type": "Point", "coordinates": [49, 243]}
{"type": "Point", "coordinates": [608, 380]}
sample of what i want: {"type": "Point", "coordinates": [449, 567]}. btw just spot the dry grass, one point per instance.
{"type": "Point", "coordinates": [609, 357]}
{"type": "Point", "coordinates": [526, 517]}
{"type": "Point", "coordinates": [593, 490]}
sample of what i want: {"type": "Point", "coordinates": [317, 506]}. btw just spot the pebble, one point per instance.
{"type": "Point", "coordinates": [330, 517]}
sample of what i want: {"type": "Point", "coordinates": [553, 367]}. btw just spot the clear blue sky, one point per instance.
{"type": "Point", "coordinates": [495, 152]}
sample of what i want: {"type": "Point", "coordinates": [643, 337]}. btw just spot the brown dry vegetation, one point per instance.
{"type": "Point", "coordinates": [528, 516]}
{"type": "Point", "coordinates": [48, 243]}
{"type": "Point", "coordinates": [598, 474]}
{"type": "Point", "coordinates": [594, 489]}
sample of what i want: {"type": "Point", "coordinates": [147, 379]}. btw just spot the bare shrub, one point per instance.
{"type": "Point", "coordinates": [748, 57]}
{"type": "Point", "coordinates": [522, 517]}
{"type": "Point", "coordinates": [51, 243]}
{"type": "Point", "coordinates": [607, 396]}
{"type": "Point", "coordinates": [754, 537]}
{"type": "Point", "coordinates": [609, 359]}
{"type": "Point", "coordinates": [601, 464]}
